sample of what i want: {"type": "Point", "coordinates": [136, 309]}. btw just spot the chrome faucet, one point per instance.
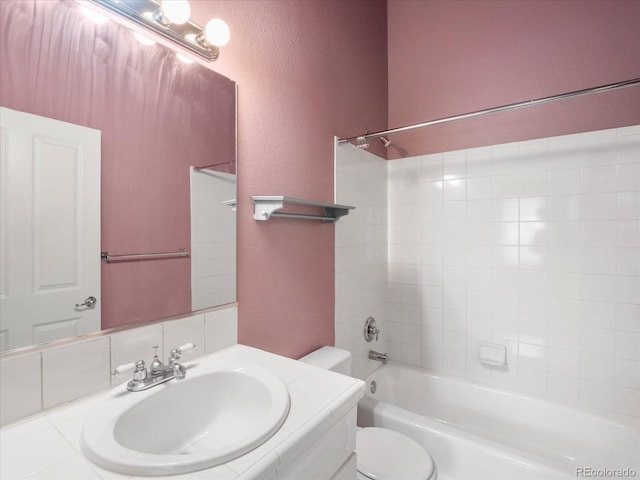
{"type": "Point", "coordinates": [158, 372]}
{"type": "Point", "coordinates": [381, 357]}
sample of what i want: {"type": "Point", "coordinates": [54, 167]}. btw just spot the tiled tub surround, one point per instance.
{"type": "Point", "coordinates": [321, 423]}
{"type": "Point", "coordinates": [53, 375]}
{"type": "Point", "coordinates": [534, 245]}
{"type": "Point", "coordinates": [361, 253]}
{"type": "Point", "coordinates": [213, 239]}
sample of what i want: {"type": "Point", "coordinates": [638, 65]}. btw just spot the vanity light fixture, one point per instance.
{"type": "Point", "coordinates": [170, 18]}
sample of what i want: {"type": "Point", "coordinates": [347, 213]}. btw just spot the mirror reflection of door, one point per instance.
{"type": "Point", "coordinates": [49, 229]}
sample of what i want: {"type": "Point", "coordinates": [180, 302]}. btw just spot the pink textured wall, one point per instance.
{"type": "Point", "coordinates": [155, 114]}
{"type": "Point", "coordinates": [448, 58]}
{"type": "Point", "coordinates": [306, 71]}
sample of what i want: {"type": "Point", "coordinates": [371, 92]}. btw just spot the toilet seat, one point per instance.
{"type": "Point", "coordinates": [384, 454]}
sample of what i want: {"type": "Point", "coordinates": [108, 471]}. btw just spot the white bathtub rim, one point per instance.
{"type": "Point", "coordinates": [620, 420]}
{"type": "Point", "coordinates": [417, 427]}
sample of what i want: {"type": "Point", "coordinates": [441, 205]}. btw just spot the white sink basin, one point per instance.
{"type": "Point", "coordinates": [220, 411]}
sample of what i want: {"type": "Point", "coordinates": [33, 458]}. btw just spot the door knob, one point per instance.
{"type": "Point", "coordinates": [89, 302]}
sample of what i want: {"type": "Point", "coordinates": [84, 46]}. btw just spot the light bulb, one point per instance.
{"type": "Point", "coordinates": [217, 32]}
{"type": "Point", "coordinates": [176, 11]}
{"type": "Point", "coordinates": [93, 16]}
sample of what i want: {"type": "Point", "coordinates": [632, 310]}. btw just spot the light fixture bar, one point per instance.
{"type": "Point", "coordinates": [141, 12]}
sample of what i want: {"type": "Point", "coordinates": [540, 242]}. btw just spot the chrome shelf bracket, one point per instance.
{"type": "Point", "coordinates": [269, 206]}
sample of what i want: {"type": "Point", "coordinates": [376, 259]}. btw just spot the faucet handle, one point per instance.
{"type": "Point", "coordinates": [156, 364]}
{"type": "Point", "coordinates": [176, 352]}
{"type": "Point", "coordinates": [123, 369]}
{"type": "Point", "coordinates": [187, 347]}
{"type": "Point", "coordinates": [140, 373]}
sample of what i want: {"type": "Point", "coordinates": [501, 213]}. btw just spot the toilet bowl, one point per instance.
{"type": "Point", "coordinates": [382, 454]}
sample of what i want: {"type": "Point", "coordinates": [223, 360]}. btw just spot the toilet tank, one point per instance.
{"type": "Point", "coordinates": [330, 358]}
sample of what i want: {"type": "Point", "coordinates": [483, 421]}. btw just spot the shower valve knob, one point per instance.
{"type": "Point", "coordinates": [371, 331]}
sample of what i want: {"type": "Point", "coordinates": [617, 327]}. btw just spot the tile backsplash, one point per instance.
{"type": "Point", "coordinates": [31, 382]}
{"type": "Point", "coordinates": [533, 245]}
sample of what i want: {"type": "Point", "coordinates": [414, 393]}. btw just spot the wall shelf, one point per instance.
{"type": "Point", "coordinates": [268, 206]}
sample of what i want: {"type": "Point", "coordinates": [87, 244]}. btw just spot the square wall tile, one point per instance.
{"type": "Point", "coordinates": [563, 388]}
{"type": "Point", "coordinates": [599, 206]}
{"type": "Point", "coordinates": [596, 367]}
{"type": "Point", "coordinates": [534, 184]}
{"type": "Point", "coordinates": [599, 233]}
{"type": "Point", "coordinates": [599, 179]}
{"type": "Point", "coordinates": [73, 371]}
{"type": "Point", "coordinates": [455, 190]}
{"type": "Point", "coordinates": [20, 385]}
{"type": "Point", "coordinates": [563, 361]}
{"type": "Point", "coordinates": [504, 210]}
{"type": "Point", "coordinates": [628, 150]}
{"type": "Point", "coordinates": [596, 395]}
{"type": "Point", "coordinates": [182, 331]}
{"type": "Point", "coordinates": [565, 207]}
{"type": "Point", "coordinates": [628, 205]}
{"type": "Point", "coordinates": [479, 162]}
{"type": "Point", "coordinates": [504, 158]}
{"type": "Point", "coordinates": [479, 188]}
{"type": "Point", "coordinates": [532, 382]}
{"type": "Point", "coordinates": [627, 401]}
{"type": "Point", "coordinates": [564, 152]}
{"type": "Point", "coordinates": [431, 168]}
{"type": "Point", "coordinates": [221, 329]}
{"type": "Point", "coordinates": [533, 209]}
{"type": "Point", "coordinates": [627, 373]}
{"type": "Point", "coordinates": [455, 164]}
{"type": "Point", "coordinates": [629, 177]}
{"type": "Point", "coordinates": [505, 186]}
{"type": "Point", "coordinates": [628, 233]}
{"type": "Point", "coordinates": [565, 182]}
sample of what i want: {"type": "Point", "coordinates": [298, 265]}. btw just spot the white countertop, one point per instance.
{"type": "Point", "coordinates": [47, 446]}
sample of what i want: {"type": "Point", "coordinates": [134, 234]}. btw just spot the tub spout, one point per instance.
{"type": "Point", "coordinates": [381, 357]}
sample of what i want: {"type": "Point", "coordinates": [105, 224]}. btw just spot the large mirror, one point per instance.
{"type": "Point", "coordinates": [154, 116]}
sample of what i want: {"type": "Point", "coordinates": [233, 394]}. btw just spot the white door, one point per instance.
{"type": "Point", "coordinates": [49, 229]}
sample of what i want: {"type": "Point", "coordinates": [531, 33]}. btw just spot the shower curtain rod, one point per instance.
{"type": "Point", "coordinates": [511, 106]}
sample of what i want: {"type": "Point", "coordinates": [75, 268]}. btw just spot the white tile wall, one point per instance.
{"type": "Point", "coordinates": [533, 245]}
{"type": "Point", "coordinates": [361, 253]}
{"type": "Point", "coordinates": [53, 375]}
{"type": "Point", "coordinates": [213, 239]}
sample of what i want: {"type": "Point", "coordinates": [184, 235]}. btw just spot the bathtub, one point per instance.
{"type": "Point", "coordinates": [475, 432]}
